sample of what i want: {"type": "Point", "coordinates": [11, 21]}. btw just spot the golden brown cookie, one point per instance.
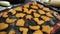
{"type": "Point", "coordinates": [8, 20]}
{"type": "Point", "coordinates": [46, 29]}
{"type": "Point", "coordinates": [3, 32]}
{"type": "Point", "coordinates": [41, 12]}
{"type": "Point", "coordinates": [13, 11]}
{"type": "Point", "coordinates": [45, 18]}
{"type": "Point", "coordinates": [34, 7]}
{"type": "Point", "coordinates": [36, 15]}
{"type": "Point", "coordinates": [40, 6]}
{"type": "Point", "coordinates": [31, 10]}
{"type": "Point", "coordinates": [3, 26]}
{"type": "Point", "coordinates": [18, 8]}
{"type": "Point", "coordinates": [49, 14]}
{"type": "Point", "coordinates": [46, 9]}
{"type": "Point", "coordinates": [12, 32]}
{"type": "Point", "coordinates": [28, 17]}
{"type": "Point", "coordinates": [25, 9]}
{"type": "Point", "coordinates": [24, 30]}
{"type": "Point", "coordinates": [38, 32]}
{"type": "Point", "coordinates": [5, 14]}
{"type": "Point", "coordinates": [20, 15]}
{"type": "Point", "coordinates": [36, 19]}
{"type": "Point", "coordinates": [34, 27]}
{"type": "Point", "coordinates": [20, 22]}
{"type": "Point", "coordinates": [40, 22]}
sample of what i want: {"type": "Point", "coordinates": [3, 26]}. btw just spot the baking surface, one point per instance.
{"type": "Point", "coordinates": [28, 22]}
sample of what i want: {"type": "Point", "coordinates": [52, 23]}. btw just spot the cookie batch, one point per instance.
{"type": "Point", "coordinates": [27, 18]}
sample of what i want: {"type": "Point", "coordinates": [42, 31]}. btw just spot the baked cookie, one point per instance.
{"type": "Point", "coordinates": [10, 21]}
{"type": "Point", "coordinates": [18, 8]}
{"type": "Point", "coordinates": [20, 22]}
{"type": "Point", "coordinates": [38, 32]}
{"type": "Point", "coordinates": [12, 32]}
{"type": "Point", "coordinates": [45, 18]}
{"type": "Point", "coordinates": [40, 22]}
{"type": "Point", "coordinates": [3, 26]}
{"type": "Point", "coordinates": [34, 27]}
{"type": "Point", "coordinates": [41, 12]}
{"type": "Point", "coordinates": [36, 19]}
{"type": "Point", "coordinates": [49, 14]}
{"type": "Point", "coordinates": [20, 15]}
{"type": "Point", "coordinates": [28, 17]}
{"type": "Point", "coordinates": [12, 11]}
{"type": "Point", "coordinates": [46, 29]}
{"type": "Point", "coordinates": [34, 7]}
{"type": "Point", "coordinates": [5, 14]}
{"type": "Point", "coordinates": [31, 11]}
{"type": "Point", "coordinates": [46, 9]}
{"type": "Point", "coordinates": [36, 15]}
{"type": "Point", "coordinates": [24, 30]}
{"type": "Point", "coordinates": [25, 10]}
{"type": "Point", "coordinates": [40, 6]}
{"type": "Point", "coordinates": [3, 32]}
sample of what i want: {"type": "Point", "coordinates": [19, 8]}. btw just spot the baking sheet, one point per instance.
{"type": "Point", "coordinates": [27, 23]}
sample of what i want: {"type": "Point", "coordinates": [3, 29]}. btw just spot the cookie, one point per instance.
{"type": "Point", "coordinates": [46, 29]}
{"type": "Point", "coordinates": [25, 10]}
{"type": "Point", "coordinates": [10, 21]}
{"type": "Point", "coordinates": [46, 9]}
{"type": "Point", "coordinates": [38, 32]}
{"type": "Point", "coordinates": [41, 12]}
{"type": "Point", "coordinates": [3, 32]}
{"type": "Point", "coordinates": [20, 15]}
{"type": "Point", "coordinates": [40, 22]}
{"type": "Point", "coordinates": [36, 15]}
{"type": "Point", "coordinates": [34, 7]}
{"type": "Point", "coordinates": [40, 6]}
{"type": "Point", "coordinates": [20, 22]}
{"type": "Point", "coordinates": [24, 30]}
{"type": "Point", "coordinates": [34, 27]}
{"type": "Point", "coordinates": [28, 17]}
{"type": "Point", "coordinates": [12, 32]}
{"type": "Point", "coordinates": [5, 14]}
{"type": "Point", "coordinates": [45, 18]}
{"type": "Point", "coordinates": [18, 8]}
{"type": "Point", "coordinates": [49, 14]}
{"type": "Point", "coordinates": [3, 26]}
{"type": "Point", "coordinates": [12, 11]}
{"type": "Point", "coordinates": [36, 19]}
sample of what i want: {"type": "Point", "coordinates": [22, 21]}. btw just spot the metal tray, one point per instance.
{"type": "Point", "coordinates": [27, 23]}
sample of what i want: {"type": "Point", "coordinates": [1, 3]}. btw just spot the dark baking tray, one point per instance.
{"type": "Point", "coordinates": [27, 23]}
